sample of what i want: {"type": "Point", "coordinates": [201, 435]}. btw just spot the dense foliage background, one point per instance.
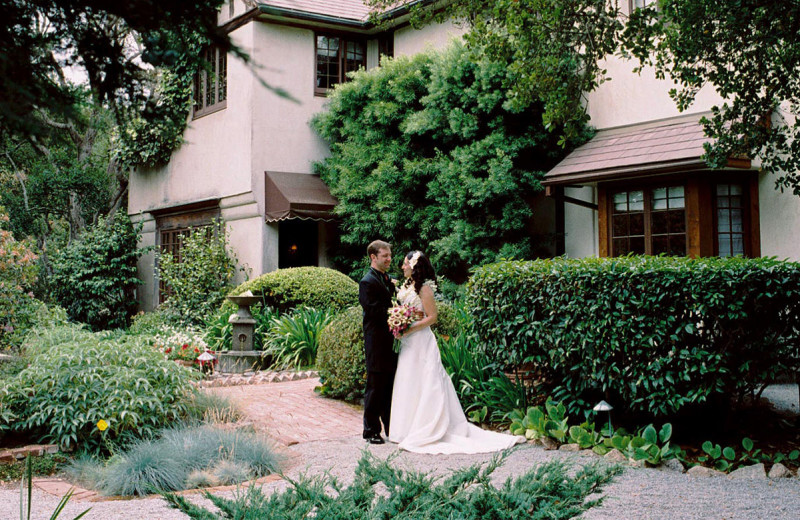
{"type": "Point", "coordinates": [431, 151]}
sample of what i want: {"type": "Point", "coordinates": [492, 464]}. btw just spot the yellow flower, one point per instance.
{"type": "Point", "coordinates": [102, 425]}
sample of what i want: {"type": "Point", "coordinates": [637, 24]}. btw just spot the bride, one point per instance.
{"type": "Point", "coordinates": [426, 415]}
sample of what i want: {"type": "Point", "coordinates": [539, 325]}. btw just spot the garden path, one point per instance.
{"type": "Point", "coordinates": [291, 412]}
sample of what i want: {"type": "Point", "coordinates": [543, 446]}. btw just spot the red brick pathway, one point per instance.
{"type": "Point", "coordinates": [291, 412]}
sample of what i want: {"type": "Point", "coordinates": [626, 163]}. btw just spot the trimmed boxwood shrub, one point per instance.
{"type": "Point", "coordinates": [317, 287]}
{"type": "Point", "coordinates": [654, 334]}
{"type": "Point", "coordinates": [340, 355]}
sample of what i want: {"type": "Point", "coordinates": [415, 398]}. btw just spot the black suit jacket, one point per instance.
{"type": "Point", "coordinates": [375, 297]}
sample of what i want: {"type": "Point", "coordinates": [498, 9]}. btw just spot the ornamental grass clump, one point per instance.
{"type": "Point", "coordinates": [552, 490]}
{"type": "Point", "coordinates": [293, 338]}
{"type": "Point", "coordinates": [651, 334]}
{"type": "Point", "coordinates": [185, 457]}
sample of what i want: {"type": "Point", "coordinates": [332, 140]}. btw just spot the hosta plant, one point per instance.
{"type": "Point", "coordinates": [650, 445]}
{"type": "Point", "coordinates": [536, 423]}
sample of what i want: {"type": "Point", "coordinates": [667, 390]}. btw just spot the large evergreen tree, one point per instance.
{"type": "Point", "coordinates": [433, 153]}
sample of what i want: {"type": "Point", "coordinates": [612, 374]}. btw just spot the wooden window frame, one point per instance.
{"type": "Point", "coordinates": [647, 212]}
{"type": "Point", "coordinates": [219, 68]}
{"type": "Point", "coordinates": [341, 57]}
{"type": "Point", "coordinates": [699, 205]}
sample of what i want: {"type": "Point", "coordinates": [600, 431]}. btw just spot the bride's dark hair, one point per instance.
{"type": "Point", "coordinates": [422, 270]}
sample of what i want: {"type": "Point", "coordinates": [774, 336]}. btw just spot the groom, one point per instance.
{"type": "Point", "coordinates": [375, 293]}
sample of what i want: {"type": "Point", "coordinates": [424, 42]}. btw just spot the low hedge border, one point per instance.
{"type": "Point", "coordinates": [654, 334]}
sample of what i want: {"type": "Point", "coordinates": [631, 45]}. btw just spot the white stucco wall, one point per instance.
{"type": "Point", "coordinates": [779, 220]}
{"type": "Point", "coordinates": [408, 41]}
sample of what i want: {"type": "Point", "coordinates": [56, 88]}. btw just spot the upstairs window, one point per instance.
{"type": "Point", "coordinates": [211, 82]}
{"type": "Point", "coordinates": [336, 56]}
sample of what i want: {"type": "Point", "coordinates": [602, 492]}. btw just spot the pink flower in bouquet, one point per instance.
{"type": "Point", "coordinates": [400, 319]}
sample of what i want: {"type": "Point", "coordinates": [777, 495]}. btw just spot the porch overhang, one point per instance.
{"type": "Point", "coordinates": [297, 196]}
{"type": "Point", "coordinates": [653, 148]}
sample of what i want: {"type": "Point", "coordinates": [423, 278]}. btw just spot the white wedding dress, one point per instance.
{"type": "Point", "coordinates": [426, 415]}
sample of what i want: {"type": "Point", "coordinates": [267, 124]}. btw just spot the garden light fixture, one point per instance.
{"type": "Point", "coordinates": [603, 406]}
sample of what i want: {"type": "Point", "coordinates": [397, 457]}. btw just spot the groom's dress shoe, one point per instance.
{"type": "Point", "coordinates": [375, 439]}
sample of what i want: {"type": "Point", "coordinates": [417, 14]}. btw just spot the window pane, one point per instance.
{"type": "Point", "coordinates": [659, 204]}
{"type": "Point", "coordinates": [737, 245]}
{"type": "Point", "coordinates": [222, 75]}
{"type": "Point", "coordinates": [620, 246]}
{"type": "Point", "coordinates": [724, 245]}
{"type": "Point", "coordinates": [327, 61]}
{"type": "Point", "coordinates": [723, 190]}
{"type": "Point", "coordinates": [660, 244]}
{"type": "Point", "coordinates": [637, 224]}
{"type": "Point", "coordinates": [735, 189]}
{"type": "Point", "coordinates": [637, 245]}
{"type": "Point", "coordinates": [659, 221]}
{"type": "Point", "coordinates": [636, 201]}
{"type": "Point", "coordinates": [736, 220]}
{"type": "Point", "coordinates": [621, 202]}
{"type": "Point", "coordinates": [620, 226]}
{"type": "Point", "coordinates": [677, 221]}
{"type": "Point", "coordinates": [723, 221]}
{"type": "Point", "coordinates": [677, 245]}
{"type": "Point", "coordinates": [676, 192]}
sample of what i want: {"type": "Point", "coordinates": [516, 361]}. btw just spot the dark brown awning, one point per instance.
{"type": "Point", "coordinates": [656, 147]}
{"type": "Point", "coordinates": [297, 195]}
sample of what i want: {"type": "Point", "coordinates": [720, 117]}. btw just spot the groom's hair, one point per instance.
{"type": "Point", "coordinates": [375, 246]}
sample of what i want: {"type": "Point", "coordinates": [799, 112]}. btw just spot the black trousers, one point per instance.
{"type": "Point", "coordinates": [377, 402]}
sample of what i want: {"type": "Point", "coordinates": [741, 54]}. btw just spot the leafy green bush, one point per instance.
{"type": "Point", "coordinates": [436, 143]}
{"type": "Point", "coordinates": [317, 287]}
{"type": "Point", "coordinates": [655, 334]}
{"type": "Point", "coordinates": [293, 338]}
{"type": "Point", "coordinates": [17, 276]}
{"type": "Point", "coordinates": [94, 278]}
{"type": "Point", "coordinates": [169, 463]}
{"type": "Point", "coordinates": [552, 490]}
{"type": "Point", "coordinates": [198, 282]}
{"type": "Point", "coordinates": [340, 356]}
{"type": "Point", "coordinates": [76, 378]}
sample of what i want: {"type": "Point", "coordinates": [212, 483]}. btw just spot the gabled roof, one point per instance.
{"type": "Point", "coordinates": [640, 149]}
{"type": "Point", "coordinates": [347, 9]}
{"type": "Point", "coordinates": [349, 13]}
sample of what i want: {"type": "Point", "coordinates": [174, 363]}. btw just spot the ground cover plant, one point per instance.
{"type": "Point", "coordinates": [661, 335]}
{"type": "Point", "coordinates": [552, 490]}
{"type": "Point", "coordinates": [181, 457]}
{"type": "Point", "coordinates": [76, 378]}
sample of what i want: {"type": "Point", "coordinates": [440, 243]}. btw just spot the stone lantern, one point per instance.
{"type": "Point", "coordinates": [241, 357]}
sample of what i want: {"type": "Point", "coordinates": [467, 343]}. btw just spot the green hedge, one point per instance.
{"type": "Point", "coordinates": [317, 287]}
{"type": "Point", "coordinates": [340, 355]}
{"type": "Point", "coordinates": [653, 334]}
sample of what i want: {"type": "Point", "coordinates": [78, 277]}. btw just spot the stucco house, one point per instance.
{"type": "Point", "coordinates": [640, 184]}
{"type": "Point", "coordinates": [248, 153]}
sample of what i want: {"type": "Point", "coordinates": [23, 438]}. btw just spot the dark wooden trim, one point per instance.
{"type": "Point", "coordinates": [557, 192]}
{"type": "Point", "coordinates": [603, 222]}
{"type": "Point", "coordinates": [185, 208]}
{"type": "Point", "coordinates": [561, 224]}
{"type": "Point", "coordinates": [755, 217]}
{"type": "Point", "coordinates": [240, 21]}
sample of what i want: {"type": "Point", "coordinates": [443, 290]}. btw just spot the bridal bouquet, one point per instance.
{"type": "Point", "coordinates": [400, 319]}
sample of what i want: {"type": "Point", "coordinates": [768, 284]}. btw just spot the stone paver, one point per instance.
{"type": "Point", "coordinates": [291, 412]}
